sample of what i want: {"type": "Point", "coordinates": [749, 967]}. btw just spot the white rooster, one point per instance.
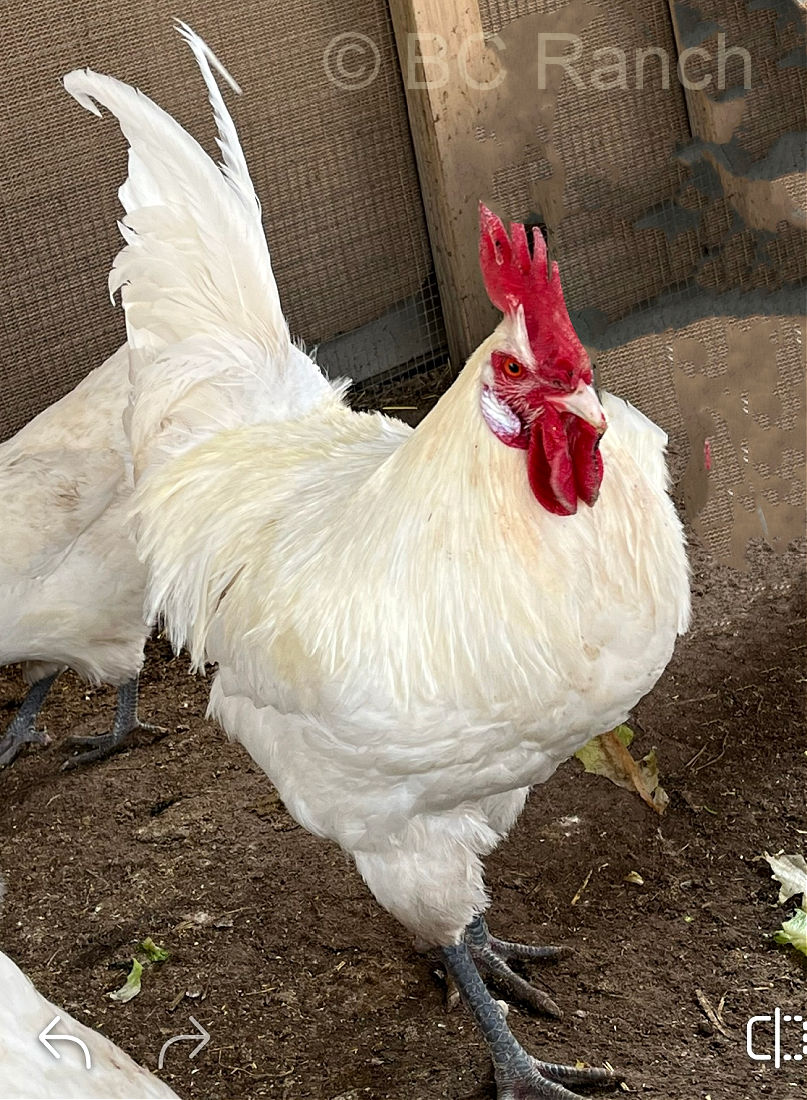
{"type": "Point", "coordinates": [411, 627]}
{"type": "Point", "coordinates": [71, 586]}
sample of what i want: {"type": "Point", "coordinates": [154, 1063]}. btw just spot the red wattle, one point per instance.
{"type": "Point", "coordinates": [549, 465]}
{"type": "Point", "coordinates": [564, 463]}
{"type": "Point", "coordinates": [584, 444]}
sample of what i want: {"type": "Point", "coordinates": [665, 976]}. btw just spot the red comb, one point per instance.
{"type": "Point", "coordinates": [515, 278]}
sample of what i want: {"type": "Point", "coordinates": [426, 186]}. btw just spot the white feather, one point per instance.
{"type": "Point", "coordinates": [190, 232]}
{"type": "Point", "coordinates": [205, 326]}
{"type": "Point", "coordinates": [235, 166]}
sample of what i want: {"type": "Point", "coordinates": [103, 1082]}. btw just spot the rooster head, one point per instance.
{"type": "Point", "coordinates": [537, 391]}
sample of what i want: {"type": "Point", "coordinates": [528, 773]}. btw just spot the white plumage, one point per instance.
{"type": "Point", "coordinates": [29, 1071]}
{"type": "Point", "coordinates": [406, 641]}
{"type": "Point", "coordinates": [71, 586]}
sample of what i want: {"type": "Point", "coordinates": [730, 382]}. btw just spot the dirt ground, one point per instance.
{"type": "Point", "coordinates": [309, 990]}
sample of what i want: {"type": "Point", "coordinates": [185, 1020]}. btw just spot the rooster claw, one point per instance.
{"type": "Point", "coordinates": [519, 1076]}
{"type": "Point", "coordinates": [21, 731]}
{"type": "Point", "coordinates": [527, 1078]}
{"type": "Point", "coordinates": [12, 744]}
{"type": "Point", "coordinates": [97, 747]}
{"type": "Point", "coordinates": [491, 954]}
{"type": "Point", "coordinates": [100, 746]}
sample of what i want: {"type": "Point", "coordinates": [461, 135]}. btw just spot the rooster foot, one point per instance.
{"type": "Point", "coordinates": [13, 741]}
{"type": "Point", "coordinates": [491, 954]}
{"type": "Point", "coordinates": [102, 745]}
{"type": "Point", "coordinates": [519, 1076]}
{"type": "Point", "coordinates": [527, 1078]}
{"type": "Point", "coordinates": [21, 730]}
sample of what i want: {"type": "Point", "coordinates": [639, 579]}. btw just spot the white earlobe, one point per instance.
{"type": "Point", "coordinates": [501, 420]}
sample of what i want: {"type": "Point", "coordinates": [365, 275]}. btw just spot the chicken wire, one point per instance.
{"type": "Point", "coordinates": [330, 154]}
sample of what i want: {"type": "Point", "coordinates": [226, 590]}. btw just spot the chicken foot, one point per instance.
{"type": "Point", "coordinates": [21, 730]}
{"type": "Point", "coordinates": [519, 1076]}
{"type": "Point", "coordinates": [491, 955]}
{"type": "Point", "coordinates": [99, 746]}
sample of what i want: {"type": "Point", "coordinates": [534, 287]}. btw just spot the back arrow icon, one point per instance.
{"type": "Point", "coordinates": [45, 1034]}
{"type": "Point", "coordinates": [201, 1034]}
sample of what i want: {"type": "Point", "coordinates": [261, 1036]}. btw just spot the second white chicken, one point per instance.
{"type": "Point", "coordinates": [71, 586]}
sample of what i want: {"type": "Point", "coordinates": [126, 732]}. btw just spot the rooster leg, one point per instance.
{"type": "Point", "coordinates": [104, 744]}
{"type": "Point", "coordinates": [519, 1076]}
{"type": "Point", "coordinates": [492, 954]}
{"type": "Point", "coordinates": [21, 729]}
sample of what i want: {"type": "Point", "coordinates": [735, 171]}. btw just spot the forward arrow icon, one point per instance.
{"type": "Point", "coordinates": [201, 1034]}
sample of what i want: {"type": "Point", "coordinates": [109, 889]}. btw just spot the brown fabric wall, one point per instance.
{"type": "Point", "coordinates": [614, 149]}
{"type": "Point", "coordinates": [647, 190]}
{"type": "Point", "coordinates": [730, 392]}
{"type": "Point", "coordinates": [333, 167]}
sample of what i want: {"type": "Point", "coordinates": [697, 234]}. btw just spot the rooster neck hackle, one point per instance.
{"type": "Point", "coordinates": [456, 461]}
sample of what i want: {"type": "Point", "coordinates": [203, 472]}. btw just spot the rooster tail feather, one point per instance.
{"type": "Point", "coordinates": [195, 260]}
{"type": "Point", "coordinates": [209, 345]}
{"type": "Point", "coordinates": [234, 166]}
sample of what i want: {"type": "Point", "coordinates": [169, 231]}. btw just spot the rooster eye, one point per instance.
{"type": "Point", "coordinates": [513, 368]}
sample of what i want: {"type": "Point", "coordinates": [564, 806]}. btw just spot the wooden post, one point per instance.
{"type": "Point", "coordinates": [446, 67]}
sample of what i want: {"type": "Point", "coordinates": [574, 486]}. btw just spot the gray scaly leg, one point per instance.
{"type": "Point", "coordinates": [21, 730]}
{"type": "Point", "coordinates": [491, 955]}
{"type": "Point", "coordinates": [126, 722]}
{"type": "Point", "coordinates": [519, 1076]}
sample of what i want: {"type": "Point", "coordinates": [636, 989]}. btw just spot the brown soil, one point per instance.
{"type": "Point", "coordinates": [309, 990]}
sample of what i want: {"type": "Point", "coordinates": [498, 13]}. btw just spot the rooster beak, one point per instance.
{"type": "Point", "coordinates": [583, 403]}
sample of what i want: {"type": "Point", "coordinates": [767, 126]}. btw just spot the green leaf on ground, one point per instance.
{"type": "Point", "coordinates": [593, 758]}
{"type": "Point", "coordinates": [131, 987]}
{"type": "Point", "coordinates": [152, 952]}
{"type": "Point", "coordinates": [794, 931]}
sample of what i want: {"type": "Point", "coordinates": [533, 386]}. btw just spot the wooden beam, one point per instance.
{"type": "Point", "coordinates": [446, 67]}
